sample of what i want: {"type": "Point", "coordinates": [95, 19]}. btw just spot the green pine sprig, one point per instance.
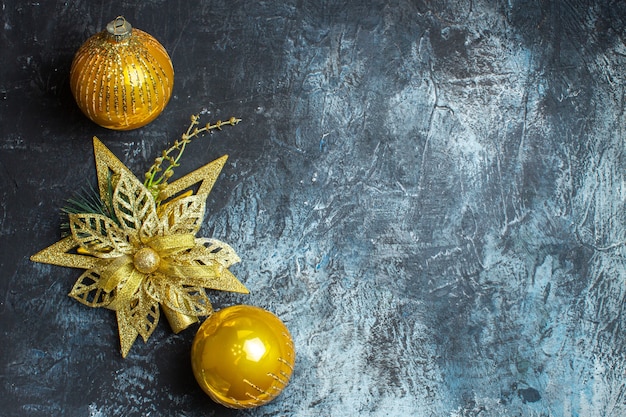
{"type": "Point", "coordinates": [88, 201]}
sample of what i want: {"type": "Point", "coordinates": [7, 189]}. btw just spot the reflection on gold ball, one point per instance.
{"type": "Point", "coordinates": [242, 356]}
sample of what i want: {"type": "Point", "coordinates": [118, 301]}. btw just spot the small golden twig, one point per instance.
{"type": "Point", "coordinates": [156, 178]}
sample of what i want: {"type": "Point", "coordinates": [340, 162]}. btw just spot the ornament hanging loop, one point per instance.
{"type": "Point", "coordinates": [120, 29]}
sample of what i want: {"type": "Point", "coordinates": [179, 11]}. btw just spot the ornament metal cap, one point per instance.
{"type": "Point", "coordinates": [120, 29]}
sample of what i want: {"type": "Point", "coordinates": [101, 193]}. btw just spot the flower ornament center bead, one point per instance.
{"type": "Point", "coordinates": [146, 260]}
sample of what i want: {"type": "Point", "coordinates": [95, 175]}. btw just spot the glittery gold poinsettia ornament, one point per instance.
{"type": "Point", "coordinates": [140, 249]}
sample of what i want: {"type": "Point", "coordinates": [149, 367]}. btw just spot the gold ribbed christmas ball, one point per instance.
{"type": "Point", "coordinates": [122, 77]}
{"type": "Point", "coordinates": [242, 356]}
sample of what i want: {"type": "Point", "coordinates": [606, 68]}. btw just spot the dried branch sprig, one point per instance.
{"type": "Point", "coordinates": [156, 178]}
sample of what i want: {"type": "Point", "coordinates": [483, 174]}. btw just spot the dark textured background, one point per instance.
{"type": "Point", "coordinates": [430, 194]}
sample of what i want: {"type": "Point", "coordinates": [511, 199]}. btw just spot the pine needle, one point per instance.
{"type": "Point", "coordinates": [87, 201]}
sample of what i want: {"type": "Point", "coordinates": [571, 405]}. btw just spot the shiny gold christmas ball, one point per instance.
{"type": "Point", "coordinates": [122, 77]}
{"type": "Point", "coordinates": [242, 356]}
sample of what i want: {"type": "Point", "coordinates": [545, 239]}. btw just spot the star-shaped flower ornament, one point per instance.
{"type": "Point", "coordinates": [143, 255]}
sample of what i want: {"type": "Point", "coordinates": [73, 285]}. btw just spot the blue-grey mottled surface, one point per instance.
{"type": "Point", "coordinates": [430, 194]}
